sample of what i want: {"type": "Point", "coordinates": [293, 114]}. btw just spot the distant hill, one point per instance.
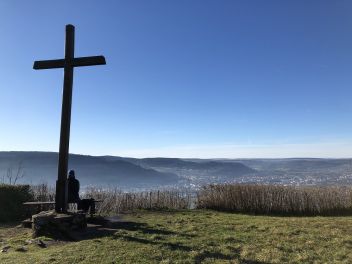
{"type": "Point", "coordinates": [233, 168]}
{"type": "Point", "coordinates": [42, 167]}
{"type": "Point", "coordinates": [211, 167]}
{"type": "Point", "coordinates": [198, 172]}
{"type": "Point", "coordinates": [292, 164]}
{"type": "Point", "coordinates": [152, 173]}
{"type": "Point", "coordinates": [122, 172]}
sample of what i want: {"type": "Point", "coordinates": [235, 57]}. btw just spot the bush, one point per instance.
{"type": "Point", "coordinates": [11, 199]}
{"type": "Point", "coordinates": [276, 199]}
{"type": "Point", "coordinates": [43, 192]}
{"type": "Point", "coordinates": [116, 201]}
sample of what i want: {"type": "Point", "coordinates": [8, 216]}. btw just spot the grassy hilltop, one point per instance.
{"type": "Point", "coordinates": [194, 236]}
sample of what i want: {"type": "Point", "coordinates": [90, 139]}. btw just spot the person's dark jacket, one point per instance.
{"type": "Point", "coordinates": [73, 190]}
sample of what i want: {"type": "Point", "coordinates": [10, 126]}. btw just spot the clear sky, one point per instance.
{"type": "Point", "coordinates": [185, 78]}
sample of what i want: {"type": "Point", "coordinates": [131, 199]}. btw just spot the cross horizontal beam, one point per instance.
{"type": "Point", "coordinates": [76, 62]}
{"type": "Point", "coordinates": [88, 61]}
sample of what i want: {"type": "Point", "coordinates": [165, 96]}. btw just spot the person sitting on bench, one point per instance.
{"type": "Point", "coordinates": [73, 194]}
{"type": "Point", "coordinates": [72, 188]}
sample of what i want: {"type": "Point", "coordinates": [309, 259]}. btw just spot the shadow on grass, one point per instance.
{"type": "Point", "coordinates": [171, 246]}
{"type": "Point", "coordinates": [95, 231]}
{"type": "Point", "coordinates": [145, 229]}
{"type": "Point", "coordinates": [214, 255]}
{"type": "Point", "coordinates": [142, 227]}
{"type": "Point", "coordinates": [101, 228]}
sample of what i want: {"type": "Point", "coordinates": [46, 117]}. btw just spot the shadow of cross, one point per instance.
{"type": "Point", "coordinates": [68, 63]}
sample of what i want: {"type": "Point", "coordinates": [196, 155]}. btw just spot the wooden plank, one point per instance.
{"type": "Point", "coordinates": [51, 202]}
{"type": "Point", "coordinates": [38, 203]}
{"type": "Point", "coordinates": [48, 64]}
{"type": "Point", "coordinates": [88, 61]}
{"type": "Point", "coordinates": [76, 62]}
{"type": "Point", "coordinates": [61, 183]}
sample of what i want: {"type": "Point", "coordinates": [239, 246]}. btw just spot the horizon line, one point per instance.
{"type": "Point", "coordinates": [174, 157]}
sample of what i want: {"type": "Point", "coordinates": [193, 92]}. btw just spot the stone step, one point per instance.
{"type": "Point", "coordinates": [57, 225]}
{"type": "Point", "coordinates": [27, 223]}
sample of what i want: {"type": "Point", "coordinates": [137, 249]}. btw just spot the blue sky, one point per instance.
{"type": "Point", "coordinates": [207, 79]}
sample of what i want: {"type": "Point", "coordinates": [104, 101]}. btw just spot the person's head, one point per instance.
{"type": "Point", "coordinates": [71, 174]}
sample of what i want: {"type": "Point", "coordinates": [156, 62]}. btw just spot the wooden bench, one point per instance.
{"type": "Point", "coordinates": [37, 207]}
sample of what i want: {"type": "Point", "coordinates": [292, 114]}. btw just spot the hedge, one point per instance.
{"type": "Point", "coordinates": [11, 199]}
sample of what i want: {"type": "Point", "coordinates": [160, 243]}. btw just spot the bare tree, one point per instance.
{"type": "Point", "coordinates": [13, 176]}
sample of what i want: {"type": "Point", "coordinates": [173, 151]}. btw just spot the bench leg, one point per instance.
{"type": "Point", "coordinates": [92, 208]}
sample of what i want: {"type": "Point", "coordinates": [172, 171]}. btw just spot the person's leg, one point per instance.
{"type": "Point", "coordinates": [92, 207]}
{"type": "Point", "coordinates": [86, 205]}
{"type": "Point", "coordinates": [82, 205]}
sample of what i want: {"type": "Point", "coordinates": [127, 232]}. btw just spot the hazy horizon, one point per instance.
{"type": "Point", "coordinates": [139, 156]}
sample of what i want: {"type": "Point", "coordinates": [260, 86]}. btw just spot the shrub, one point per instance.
{"type": "Point", "coordinates": [276, 199]}
{"type": "Point", "coordinates": [116, 201]}
{"type": "Point", "coordinates": [43, 192]}
{"type": "Point", "coordinates": [11, 199]}
{"type": "Point", "coordinates": [244, 198]}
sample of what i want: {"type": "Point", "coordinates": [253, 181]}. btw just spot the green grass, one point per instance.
{"type": "Point", "coordinates": [198, 236]}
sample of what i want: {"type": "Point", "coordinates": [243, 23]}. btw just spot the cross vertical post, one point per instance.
{"type": "Point", "coordinates": [68, 63]}
{"type": "Point", "coordinates": [61, 184]}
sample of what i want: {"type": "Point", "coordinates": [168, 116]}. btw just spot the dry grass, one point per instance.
{"type": "Point", "coordinates": [253, 199]}
{"type": "Point", "coordinates": [43, 192]}
{"type": "Point", "coordinates": [270, 199]}
{"type": "Point", "coordinates": [115, 201]}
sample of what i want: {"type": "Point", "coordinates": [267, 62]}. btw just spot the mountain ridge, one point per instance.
{"type": "Point", "coordinates": [115, 171]}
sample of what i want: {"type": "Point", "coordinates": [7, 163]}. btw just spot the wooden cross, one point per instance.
{"type": "Point", "coordinates": [68, 63]}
